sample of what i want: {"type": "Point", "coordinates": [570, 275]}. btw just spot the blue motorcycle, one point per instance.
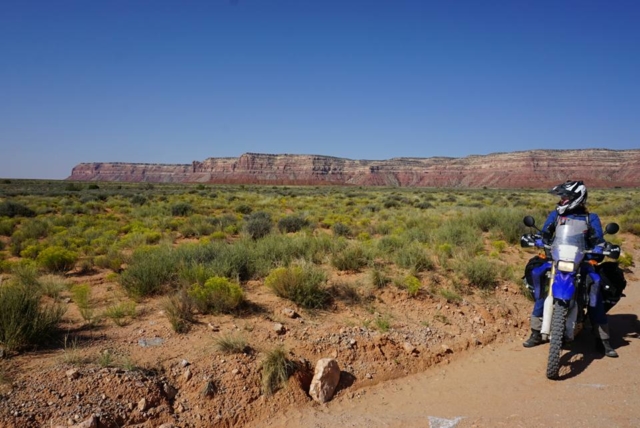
{"type": "Point", "coordinates": [573, 281]}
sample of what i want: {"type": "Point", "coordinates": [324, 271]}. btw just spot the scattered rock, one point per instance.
{"type": "Point", "coordinates": [288, 312]}
{"type": "Point", "coordinates": [279, 328]}
{"type": "Point", "coordinates": [184, 363]}
{"type": "Point", "coordinates": [187, 375]}
{"type": "Point", "coordinates": [142, 405]}
{"type": "Point", "coordinates": [73, 374]}
{"type": "Point", "coordinates": [325, 380]}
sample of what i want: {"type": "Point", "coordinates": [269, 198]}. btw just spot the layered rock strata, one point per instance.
{"type": "Point", "coordinates": [525, 169]}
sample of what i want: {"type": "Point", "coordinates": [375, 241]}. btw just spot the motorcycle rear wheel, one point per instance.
{"type": "Point", "coordinates": [555, 343]}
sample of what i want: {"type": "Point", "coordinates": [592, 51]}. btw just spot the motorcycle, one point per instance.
{"type": "Point", "coordinates": [573, 281]}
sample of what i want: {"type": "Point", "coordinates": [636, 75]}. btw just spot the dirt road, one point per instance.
{"type": "Point", "coordinates": [503, 385]}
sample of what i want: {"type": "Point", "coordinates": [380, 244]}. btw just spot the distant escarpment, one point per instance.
{"type": "Point", "coordinates": [526, 169]}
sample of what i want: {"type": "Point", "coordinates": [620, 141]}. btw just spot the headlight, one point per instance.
{"type": "Point", "coordinates": [565, 266]}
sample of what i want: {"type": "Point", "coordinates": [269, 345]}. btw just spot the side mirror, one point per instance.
{"type": "Point", "coordinates": [612, 228]}
{"type": "Point", "coordinates": [529, 221]}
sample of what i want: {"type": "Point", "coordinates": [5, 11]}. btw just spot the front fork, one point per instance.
{"type": "Point", "coordinates": [573, 325]}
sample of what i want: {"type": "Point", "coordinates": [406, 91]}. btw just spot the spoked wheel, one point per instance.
{"type": "Point", "coordinates": [557, 336]}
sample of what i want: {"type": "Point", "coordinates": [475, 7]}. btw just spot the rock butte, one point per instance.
{"type": "Point", "coordinates": [601, 168]}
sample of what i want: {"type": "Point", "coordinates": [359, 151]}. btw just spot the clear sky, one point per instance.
{"type": "Point", "coordinates": [175, 81]}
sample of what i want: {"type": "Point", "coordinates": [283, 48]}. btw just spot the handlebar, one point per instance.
{"type": "Point", "coordinates": [536, 240]}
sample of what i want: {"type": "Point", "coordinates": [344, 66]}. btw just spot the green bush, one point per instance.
{"type": "Point", "coordinates": [341, 229]}
{"type": "Point", "coordinates": [150, 270]}
{"type": "Point", "coordinates": [258, 225]}
{"type": "Point", "coordinates": [24, 320]}
{"type": "Point", "coordinates": [179, 310]}
{"type": "Point", "coordinates": [217, 295]}
{"type": "Point", "coordinates": [57, 259]}
{"type": "Point", "coordinates": [181, 209]}
{"type": "Point", "coordinates": [352, 258]}
{"type": "Point", "coordinates": [14, 209]}
{"type": "Point", "coordinates": [414, 257]}
{"type": "Point", "coordinates": [412, 285]}
{"type": "Point", "coordinates": [244, 209]}
{"type": "Point", "coordinates": [302, 285]}
{"type": "Point", "coordinates": [276, 369]}
{"type": "Point", "coordinates": [292, 223]}
{"type": "Point", "coordinates": [480, 271]}
{"type": "Point", "coordinates": [138, 200]}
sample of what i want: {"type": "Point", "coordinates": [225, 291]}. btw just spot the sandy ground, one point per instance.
{"type": "Point", "coordinates": [502, 385]}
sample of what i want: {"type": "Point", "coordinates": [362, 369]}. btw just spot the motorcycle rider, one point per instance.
{"type": "Point", "coordinates": [572, 204]}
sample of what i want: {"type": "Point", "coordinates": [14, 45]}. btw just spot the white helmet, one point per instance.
{"type": "Point", "coordinates": [572, 195]}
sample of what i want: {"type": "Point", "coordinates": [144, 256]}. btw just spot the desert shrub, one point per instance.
{"type": "Point", "coordinates": [236, 261]}
{"type": "Point", "coordinates": [24, 320]}
{"type": "Point", "coordinates": [412, 285]}
{"type": "Point", "coordinates": [121, 312]}
{"type": "Point", "coordinates": [303, 285]}
{"type": "Point", "coordinates": [149, 270]}
{"type": "Point", "coordinates": [424, 205]}
{"type": "Point", "coordinates": [462, 235]}
{"type": "Point", "coordinates": [139, 200]}
{"type": "Point", "coordinates": [244, 209]}
{"type": "Point", "coordinates": [231, 344]}
{"type": "Point", "coordinates": [341, 229]}
{"type": "Point", "coordinates": [351, 258]}
{"type": "Point", "coordinates": [26, 274]}
{"type": "Point", "coordinates": [390, 244]}
{"type": "Point", "coordinates": [346, 292]}
{"type": "Point", "coordinates": [258, 225]}
{"type": "Point", "coordinates": [81, 294]}
{"type": "Point", "coordinates": [7, 227]}
{"type": "Point", "coordinates": [52, 285]}
{"type": "Point", "coordinates": [57, 259]}
{"type": "Point", "coordinates": [217, 295]}
{"type": "Point", "coordinates": [112, 260]}
{"type": "Point", "coordinates": [625, 260]}
{"type": "Point", "coordinates": [276, 369]}
{"type": "Point", "coordinates": [292, 223]}
{"type": "Point", "coordinates": [480, 271]}
{"type": "Point", "coordinates": [181, 209]}
{"type": "Point", "coordinates": [630, 222]}
{"type": "Point", "coordinates": [414, 257]}
{"type": "Point", "coordinates": [450, 295]}
{"type": "Point", "coordinates": [178, 309]}
{"type": "Point", "coordinates": [15, 209]}
{"type": "Point", "coordinates": [379, 279]}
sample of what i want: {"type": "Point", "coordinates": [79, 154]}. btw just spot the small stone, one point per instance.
{"type": "Point", "coordinates": [352, 342]}
{"type": "Point", "coordinates": [213, 328]}
{"type": "Point", "coordinates": [235, 371]}
{"type": "Point", "coordinates": [447, 349]}
{"type": "Point", "coordinates": [187, 375]}
{"type": "Point", "coordinates": [142, 405]}
{"type": "Point", "coordinates": [73, 374]}
{"type": "Point", "coordinates": [288, 312]}
{"type": "Point", "coordinates": [184, 363]}
{"type": "Point", "coordinates": [279, 328]}
{"type": "Point", "coordinates": [369, 376]}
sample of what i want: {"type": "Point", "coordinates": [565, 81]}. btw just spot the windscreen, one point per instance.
{"type": "Point", "coordinates": [569, 242]}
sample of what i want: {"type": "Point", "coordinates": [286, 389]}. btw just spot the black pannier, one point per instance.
{"type": "Point", "coordinates": [612, 283]}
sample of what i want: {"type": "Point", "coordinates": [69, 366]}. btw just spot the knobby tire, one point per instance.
{"type": "Point", "coordinates": [555, 343]}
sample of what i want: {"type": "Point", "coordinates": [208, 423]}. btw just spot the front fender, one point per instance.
{"type": "Point", "coordinates": [563, 285]}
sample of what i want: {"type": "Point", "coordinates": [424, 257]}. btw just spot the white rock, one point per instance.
{"type": "Point", "coordinates": [325, 380]}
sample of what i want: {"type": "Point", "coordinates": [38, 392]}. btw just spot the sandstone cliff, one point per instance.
{"type": "Point", "coordinates": [526, 169]}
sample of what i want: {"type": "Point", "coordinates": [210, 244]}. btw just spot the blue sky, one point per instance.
{"type": "Point", "coordinates": [174, 81]}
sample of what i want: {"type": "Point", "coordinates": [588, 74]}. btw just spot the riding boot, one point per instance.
{"type": "Point", "coordinates": [602, 341]}
{"type": "Point", "coordinates": [533, 340]}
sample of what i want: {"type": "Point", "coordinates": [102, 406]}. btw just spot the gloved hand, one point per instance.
{"type": "Point", "coordinates": [539, 243]}
{"type": "Point", "coordinates": [598, 249]}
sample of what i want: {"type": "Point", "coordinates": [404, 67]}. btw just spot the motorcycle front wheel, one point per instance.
{"type": "Point", "coordinates": [557, 336]}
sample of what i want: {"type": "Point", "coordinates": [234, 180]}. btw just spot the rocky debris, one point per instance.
{"type": "Point", "coordinates": [279, 328]}
{"type": "Point", "coordinates": [73, 373]}
{"type": "Point", "coordinates": [526, 169]}
{"type": "Point", "coordinates": [290, 313]}
{"type": "Point", "coordinates": [325, 380]}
